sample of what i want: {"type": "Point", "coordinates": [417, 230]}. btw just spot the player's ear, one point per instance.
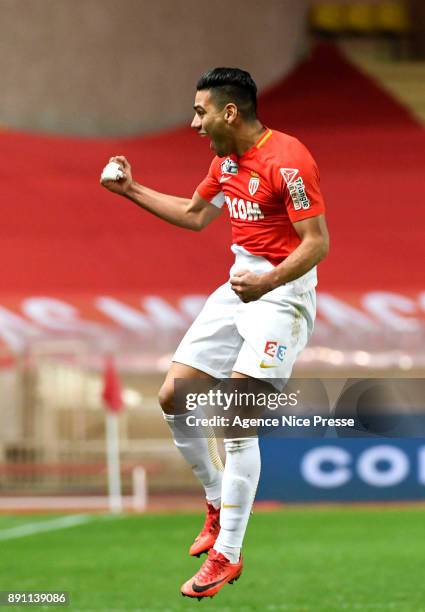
{"type": "Point", "coordinates": [230, 112]}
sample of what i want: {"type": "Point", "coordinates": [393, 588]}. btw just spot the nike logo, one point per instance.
{"type": "Point", "coordinates": [264, 365]}
{"type": "Point", "coordinates": [201, 588]}
{"type": "Point", "coordinates": [225, 178]}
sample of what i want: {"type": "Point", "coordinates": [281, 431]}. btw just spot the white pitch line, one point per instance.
{"type": "Point", "coordinates": [43, 526]}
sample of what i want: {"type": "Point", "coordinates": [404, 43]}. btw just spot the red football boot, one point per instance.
{"type": "Point", "coordinates": [207, 537]}
{"type": "Point", "coordinates": [215, 572]}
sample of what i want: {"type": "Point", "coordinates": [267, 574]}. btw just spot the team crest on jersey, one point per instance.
{"type": "Point", "coordinates": [289, 174]}
{"type": "Point", "coordinates": [254, 183]}
{"type": "Point", "coordinates": [229, 167]}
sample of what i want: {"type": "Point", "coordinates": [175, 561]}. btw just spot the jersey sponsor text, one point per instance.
{"type": "Point", "coordinates": [298, 194]}
{"type": "Point", "coordinates": [245, 211]}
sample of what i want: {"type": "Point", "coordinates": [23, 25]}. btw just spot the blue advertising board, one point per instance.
{"type": "Point", "coordinates": [342, 469]}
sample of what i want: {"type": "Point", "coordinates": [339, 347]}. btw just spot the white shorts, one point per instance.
{"type": "Point", "coordinates": [260, 339]}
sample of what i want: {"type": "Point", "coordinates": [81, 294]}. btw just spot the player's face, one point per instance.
{"type": "Point", "coordinates": [209, 121]}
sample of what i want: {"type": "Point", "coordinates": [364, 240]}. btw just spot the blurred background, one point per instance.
{"type": "Point", "coordinates": [95, 291]}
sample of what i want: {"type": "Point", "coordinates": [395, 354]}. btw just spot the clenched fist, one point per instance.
{"type": "Point", "coordinates": [124, 177]}
{"type": "Point", "coordinates": [248, 286]}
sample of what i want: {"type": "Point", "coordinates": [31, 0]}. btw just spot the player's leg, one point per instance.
{"type": "Point", "coordinates": [200, 452]}
{"type": "Point", "coordinates": [208, 350]}
{"type": "Point", "coordinates": [240, 480]}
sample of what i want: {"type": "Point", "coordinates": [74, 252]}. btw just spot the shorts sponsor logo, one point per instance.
{"type": "Point", "coordinates": [254, 183]}
{"type": "Point", "coordinates": [281, 351]}
{"type": "Point", "coordinates": [275, 354]}
{"type": "Point", "coordinates": [289, 174]}
{"type": "Point", "coordinates": [228, 166]}
{"type": "Point", "coordinates": [270, 348]}
{"type": "Point", "coordinates": [245, 211]}
{"type": "Point", "coordinates": [298, 194]}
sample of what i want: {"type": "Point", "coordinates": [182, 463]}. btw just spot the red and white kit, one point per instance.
{"type": "Point", "coordinates": [270, 187]}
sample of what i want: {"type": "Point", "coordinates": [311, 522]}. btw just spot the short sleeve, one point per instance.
{"type": "Point", "coordinates": [300, 187]}
{"type": "Point", "coordinates": [210, 188]}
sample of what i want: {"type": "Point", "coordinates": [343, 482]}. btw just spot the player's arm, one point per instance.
{"type": "Point", "coordinates": [314, 247]}
{"type": "Point", "coordinates": [193, 214]}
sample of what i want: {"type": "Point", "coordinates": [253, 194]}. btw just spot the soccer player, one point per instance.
{"type": "Point", "coordinates": [253, 326]}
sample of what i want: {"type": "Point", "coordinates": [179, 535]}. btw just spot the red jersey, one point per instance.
{"type": "Point", "coordinates": [268, 188]}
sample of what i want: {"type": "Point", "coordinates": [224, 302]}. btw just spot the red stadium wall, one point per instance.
{"type": "Point", "coordinates": [64, 236]}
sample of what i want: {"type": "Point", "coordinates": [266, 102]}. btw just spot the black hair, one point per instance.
{"type": "Point", "coordinates": [232, 85]}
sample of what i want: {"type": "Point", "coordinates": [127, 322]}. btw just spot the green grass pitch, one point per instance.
{"type": "Point", "coordinates": [297, 560]}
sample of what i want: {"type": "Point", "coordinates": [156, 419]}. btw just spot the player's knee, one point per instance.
{"type": "Point", "coordinates": [166, 397]}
